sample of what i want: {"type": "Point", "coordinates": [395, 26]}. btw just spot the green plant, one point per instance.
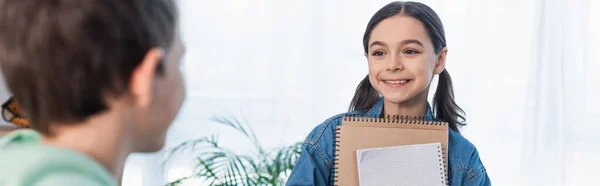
{"type": "Point", "coordinates": [217, 165]}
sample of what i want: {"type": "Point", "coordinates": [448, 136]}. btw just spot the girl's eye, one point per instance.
{"type": "Point", "coordinates": [377, 53]}
{"type": "Point", "coordinates": [411, 52]}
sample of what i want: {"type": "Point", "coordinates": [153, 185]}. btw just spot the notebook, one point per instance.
{"type": "Point", "coordinates": [362, 133]}
{"type": "Point", "coordinates": [420, 164]}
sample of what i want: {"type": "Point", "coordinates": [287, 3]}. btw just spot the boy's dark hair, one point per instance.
{"type": "Point", "coordinates": [445, 108]}
{"type": "Point", "coordinates": [62, 58]}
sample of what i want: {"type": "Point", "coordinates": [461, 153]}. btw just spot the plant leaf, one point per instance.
{"type": "Point", "coordinates": [220, 166]}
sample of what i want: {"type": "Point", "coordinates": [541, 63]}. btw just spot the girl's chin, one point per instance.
{"type": "Point", "coordinates": [395, 99]}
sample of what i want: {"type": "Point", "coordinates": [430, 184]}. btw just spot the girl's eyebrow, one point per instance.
{"type": "Point", "coordinates": [380, 43]}
{"type": "Point", "coordinates": [405, 42]}
{"type": "Point", "coordinates": [409, 41]}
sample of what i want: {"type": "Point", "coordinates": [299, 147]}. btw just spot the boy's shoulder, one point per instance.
{"type": "Point", "coordinates": [32, 163]}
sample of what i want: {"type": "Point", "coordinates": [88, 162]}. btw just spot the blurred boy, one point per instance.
{"type": "Point", "coordinates": [98, 79]}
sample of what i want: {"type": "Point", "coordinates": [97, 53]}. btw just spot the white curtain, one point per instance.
{"type": "Point", "coordinates": [560, 136]}
{"type": "Point", "coordinates": [522, 70]}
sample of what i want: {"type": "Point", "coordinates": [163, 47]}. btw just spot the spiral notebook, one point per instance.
{"type": "Point", "coordinates": [358, 133]}
{"type": "Point", "coordinates": [420, 164]}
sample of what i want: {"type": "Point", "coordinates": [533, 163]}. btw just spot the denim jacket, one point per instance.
{"type": "Point", "coordinates": [316, 163]}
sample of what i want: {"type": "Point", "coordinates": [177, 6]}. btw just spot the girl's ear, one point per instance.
{"type": "Point", "coordinates": [440, 63]}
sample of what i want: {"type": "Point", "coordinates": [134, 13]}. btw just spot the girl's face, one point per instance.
{"type": "Point", "coordinates": [402, 60]}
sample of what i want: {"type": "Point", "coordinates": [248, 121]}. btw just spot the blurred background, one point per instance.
{"type": "Point", "coordinates": [523, 70]}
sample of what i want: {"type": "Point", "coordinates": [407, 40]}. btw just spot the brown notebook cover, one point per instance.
{"type": "Point", "coordinates": [360, 133]}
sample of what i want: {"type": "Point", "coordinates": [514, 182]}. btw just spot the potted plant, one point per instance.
{"type": "Point", "coordinates": [218, 165]}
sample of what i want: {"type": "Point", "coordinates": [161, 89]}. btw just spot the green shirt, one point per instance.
{"type": "Point", "coordinates": [25, 161]}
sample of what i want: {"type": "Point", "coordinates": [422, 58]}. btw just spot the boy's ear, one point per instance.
{"type": "Point", "coordinates": [440, 63]}
{"type": "Point", "coordinates": [142, 79]}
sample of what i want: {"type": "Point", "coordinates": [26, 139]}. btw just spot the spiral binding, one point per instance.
{"type": "Point", "coordinates": [443, 162]}
{"type": "Point", "coordinates": [337, 155]}
{"type": "Point", "coordinates": [395, 119]}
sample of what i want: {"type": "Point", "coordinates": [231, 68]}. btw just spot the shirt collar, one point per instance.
{"type": "Point", "coordinates": [21, 136]}
{"type": "Point", "coordinates": [377, 110]}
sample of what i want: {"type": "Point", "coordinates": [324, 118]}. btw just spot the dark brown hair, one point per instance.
{"type": "Point", "coordinates": [445, 108]}
{"type": "Point", "coordinates": [62, 58]}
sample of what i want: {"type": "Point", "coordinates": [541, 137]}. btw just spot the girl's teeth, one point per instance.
{"type": "Point", "coordinates": [397, 82]}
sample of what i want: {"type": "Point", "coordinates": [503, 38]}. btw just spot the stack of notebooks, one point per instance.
{"type": "Point", "coordinates": [391, 151]}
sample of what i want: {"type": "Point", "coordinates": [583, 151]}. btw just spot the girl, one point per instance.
{"type": "Point", "coordinates": [405, 47]}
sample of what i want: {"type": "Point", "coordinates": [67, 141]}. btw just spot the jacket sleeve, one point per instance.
{"type": "Point", "coordinates": [477, 175]}
{"type": "Point", "coordinates": [481, 179]}
{"type": "Point", "coordinates": [316, 162]}
{"type": "Point", "coordinates": [309, 169]}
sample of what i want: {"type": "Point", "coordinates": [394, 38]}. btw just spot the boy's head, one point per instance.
{"type": "Point", "coordinates": [68, 61]}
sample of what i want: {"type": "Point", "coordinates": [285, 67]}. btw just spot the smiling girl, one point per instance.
{"type": "Point", "coordinates": [405, 47]}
